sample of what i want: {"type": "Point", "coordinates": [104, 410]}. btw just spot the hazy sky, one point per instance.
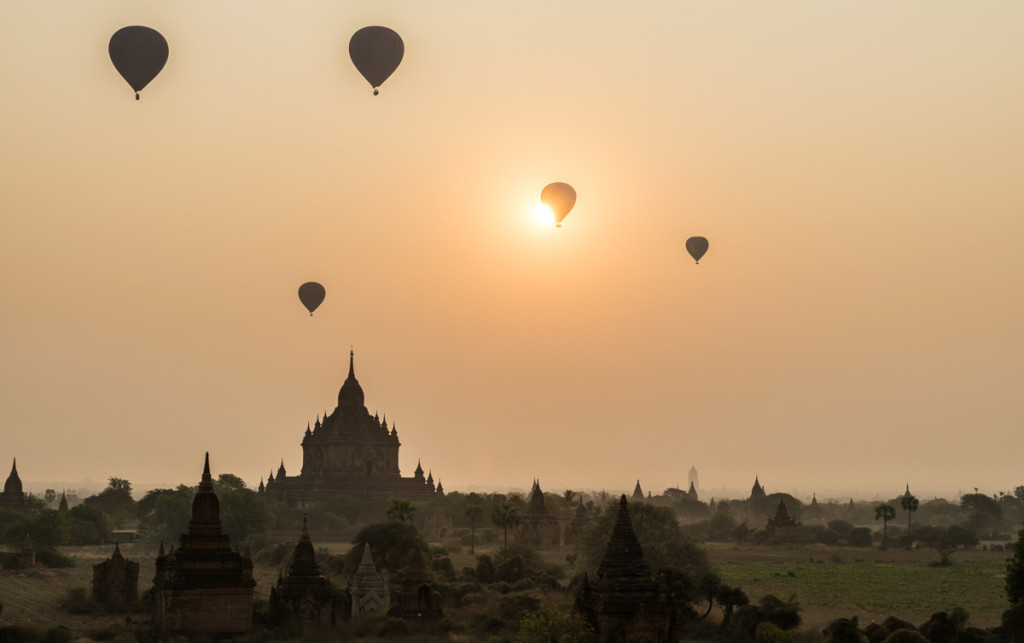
{"type": "Point", "coordinates": [857, 167]}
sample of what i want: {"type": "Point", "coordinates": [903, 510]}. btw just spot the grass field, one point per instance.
{"type": "Point", "coordinates": [869, 584]}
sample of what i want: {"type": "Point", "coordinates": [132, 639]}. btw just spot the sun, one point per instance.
{"type": "Point", "coordinates": [543, 215]}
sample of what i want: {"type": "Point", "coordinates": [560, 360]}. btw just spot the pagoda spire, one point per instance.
{"type": "Point", "coordinates": [207, 482]}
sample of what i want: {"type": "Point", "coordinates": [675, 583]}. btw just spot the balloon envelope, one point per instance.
{"type": "Point", "coordinates": [376, 53]}
{"type": "Point", "coordinates": [311, 294]}
{"type": "Point", "coordinates": [697, 246]}
{"type": "Point", "coordinates": [559, 197]}
{"type": "Point", "coordinates": [138, 54]}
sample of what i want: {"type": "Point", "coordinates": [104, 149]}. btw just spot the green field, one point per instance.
{"type": "Point", "coordinates": [873, 590]}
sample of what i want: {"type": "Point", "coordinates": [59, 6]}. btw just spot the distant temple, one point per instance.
{"type": "Point", "coordinates": [203, 586]}
{"type": "Point", "coordinates": [115, 581]}
{"type": "Point", "coordinates": [577, 526]}
{"type": "Point", "coordinates": [416, 598]}
{"type": "Point", "coordinates": [757, 491]}
{"type": "Point", "coordinates": [437, 524]}
{"type": "Point", "coordinates": [304, 591]}
{"type": "Point", "coordinates": [625, 604]}
{"type": "Point", "coordinates": [13, 496]}
{"type": "Point", "coordinates": [350, 452]}
{"type": "Point", "coordinates": [692, 493]}
{"type": "Point", "coordinates": [538, 527]}
{"type": "Point", "coordinates": [638, 493]}
{"type": "Point", "coordinates": [694, 480]}
{"type": "Point", "coordinates": [781, 527]}
{"type": "Point", "coordinates": [367, 590]}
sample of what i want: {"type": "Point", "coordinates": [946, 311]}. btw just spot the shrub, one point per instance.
{"type": "Point", "coordinates": [844, 630]}
{"type": "Point", "coordinates": [906, 636]}
{"type": "Point", "coordinates": [394, 627]}
{"type": "Point", "coordinates": [53, 558]}
{"type": "Point", "coordinates": [59, 634]}
{"type": "Point", "coordinates": [77, 601]}
{"type": "Point", "coordinates": [859, 537]}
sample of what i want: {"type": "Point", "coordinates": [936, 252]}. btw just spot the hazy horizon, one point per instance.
{"type": "Point", "coordinates": [855, 324]}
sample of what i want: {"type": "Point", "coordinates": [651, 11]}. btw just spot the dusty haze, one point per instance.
{"type": "Point", "coordinates": [856, 323]}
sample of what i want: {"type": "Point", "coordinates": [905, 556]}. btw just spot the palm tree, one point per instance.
{"type": "Point", "coordinates": [504, 515]}
{"type": "Point", "coordinates": [885, 513]}
{"type": "Point", "coordinates": [401, 510]}
{"type": "Point", "coordinates": [909, 504]}
{"type": "Point", "coordinates": [474, 513]}
{"type": "Point", "coordinates": [569, 494]}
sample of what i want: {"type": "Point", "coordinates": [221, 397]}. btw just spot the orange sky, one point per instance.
{"type": "Point", "coordinates": [856, 167]}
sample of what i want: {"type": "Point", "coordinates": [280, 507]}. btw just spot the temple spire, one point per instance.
{"type": "Point", "coordinates": [207, 478]}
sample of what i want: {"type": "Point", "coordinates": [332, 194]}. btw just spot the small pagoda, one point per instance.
{"type": "Point", "coordinates": [625, 604]}
{"type": "Point", "coordinates": [367, 590]}
{"type": "Point", "coordinates": [203, 586]}
{"type": "Point", "coordinates": [115, 581]}
{"type": "Point", "coordinates": [538, 527]}
{"type": "Point", "coordinates": [781, 526]}
{"type": "Point", "coordinates": [304, 591]}
{"type": "Point", "coordinates": [417, 598]}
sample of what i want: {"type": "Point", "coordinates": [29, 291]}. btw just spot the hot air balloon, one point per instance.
{"type": "Point", "coordinates": [376, 53]}
{"type": "Point", "coordinates": [138, 54]}
{"type": "Point", "coordinates": [697, 246]}
{"type": "Point", "coordinates": [311, 294]}
{"type": "Point", "coordinates": [559, 197]}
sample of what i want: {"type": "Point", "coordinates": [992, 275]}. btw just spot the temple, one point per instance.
{"type": "Point", "coordinates": [625, 604]}
{"type": "Point", "coordinates": [349, 452]}
{"type": "Point", "coordinates": [203, 586]}
{"type": "Point", "coordinates": [781, 527]}
{"type": "Point", "coordinates": [367, 590]}
{"type": "Point", "coordinates": [304, 591]}
{"type": "Point", "coordinates": [115, 581]}
{"type": "Point", "coordinates": [13, 496]}
{"type": "Point", "coordinates": [757, 492]}
{"type": "Point", "coordinates": [538, 527]}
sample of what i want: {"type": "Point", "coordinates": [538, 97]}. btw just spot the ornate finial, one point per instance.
{"type": "Point", "coordinates": [207, 478]}
{"type": "Point", "coordinates": [351, 363]}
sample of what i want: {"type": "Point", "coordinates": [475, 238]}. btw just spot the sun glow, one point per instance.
{"type": "Point", "coordinates": [543, 215]}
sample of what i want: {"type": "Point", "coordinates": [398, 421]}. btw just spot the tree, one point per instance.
{"type": "Point", "coordinates": [909, 504]}
{"type": "Point", "coordinates": [47, 529]}
{"type": "Point", "coordinates": [474, 513]}
{"type": "Point", "coordinates": [1015, 573]}
{"type": "Point", "coordinates": [88, 525]}
{"type": "Point", "coordinates": [552, 624]}
{"type": "Point", "coordinates": [49, 495]}
{"type": "Point", "coordinates": [505, 515]}
{"type": "Point", "coordinates": [115, 501]}
{"type": "Point", "coordinates": [983, 512]}
{"type": "Point", "coordinates": [401, 510]}
{"type": "Point", "coordinates": [885, 513]}
{"type": "Point", "coordinates": [393, 541]}
{"type": "Point", "coordinates": [165, 513]}
{"type": "Point", "coordinates": [229, 481]}
{"type": "Point", "coordinates": [568, 494]}
{"type": "Point", "coordinates": [245, 515]}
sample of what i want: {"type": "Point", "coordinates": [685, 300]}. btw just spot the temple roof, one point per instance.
{"type": "Point", "coordinates": [624, 559]}
{"type": "Point", "coordinates": [350, 397]}
{"type": "Point", "coordinates": [536, 501]}
{"type": "Point", "coordinates": [304, 558]}
{"type": "Point", "coordinates": [13, 484]}
{"type": "Point", "coordinates": [205, 506]}
{"type": "Point", "coordinates": [638, 493]}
